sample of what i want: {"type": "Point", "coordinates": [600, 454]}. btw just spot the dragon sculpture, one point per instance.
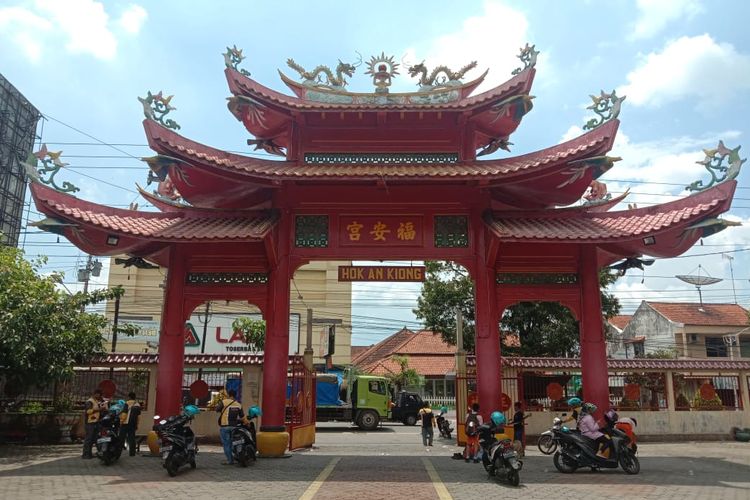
{"type": "Point", "coordinates": [316, 76]}
{"type": "Point", "coordinates": [449, 77]}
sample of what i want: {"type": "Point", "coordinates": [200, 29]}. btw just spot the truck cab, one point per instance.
{"type": "Point", "coordinates": [370, 401]}
{"type": "Point", "coordinates": [406, 407]}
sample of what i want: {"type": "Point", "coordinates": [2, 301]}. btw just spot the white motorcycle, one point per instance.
{"type": "Point", "coordinates": [547, 443]}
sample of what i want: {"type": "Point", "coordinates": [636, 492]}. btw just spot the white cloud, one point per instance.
{"type": "Point", "coordinates": [491, 39]}
{"type": "Point", "coordinates": [696, 67]}
{"type": "Point", "coordinates": [654, 15]}
{"type": "Point", "coordinates": [132, 19]}
{"type": "Point", "coordinates": [80, 26]}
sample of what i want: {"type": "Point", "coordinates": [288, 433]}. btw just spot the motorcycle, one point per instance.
{"type": "Point", "coordinates": [499, 458]}
{"type": "Point", "coordinates": [178, 444]}
{"type": "Point", "coordinates": [444, 425]}
{"type": "Point", "coordinates": [547, 443]}
{"type": "Point", "coordinates": [243, 443]}
{"type": "Point", "coordinates": [108, 444]}
{"type": "Point", "coordinates": [577, 450]}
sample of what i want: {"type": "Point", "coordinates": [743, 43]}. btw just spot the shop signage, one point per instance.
{"type": "Point", "coordinates": [381, 273]}
{"type": "Point", "coordinates": [386, 230]}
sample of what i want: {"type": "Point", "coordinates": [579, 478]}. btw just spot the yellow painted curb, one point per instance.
{"type": "Point", "coordinates": [440, 488]}
{"type": "Point", "coordinates": [315, 485]}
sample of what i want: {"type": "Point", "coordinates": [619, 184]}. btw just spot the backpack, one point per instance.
{"type": "Point", "coordinates": [472, 424]}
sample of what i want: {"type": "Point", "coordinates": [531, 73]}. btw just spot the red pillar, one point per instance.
{"type": "Point", "coordinates": [276, 349]}
{"type": "Point", "coordinates": [593, 345]}
{"type": "Point", "coordinates": [489, 368]}
{"type": "Point", "coordinates": [172, 339]}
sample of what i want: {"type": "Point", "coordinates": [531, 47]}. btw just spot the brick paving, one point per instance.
{"type": "Point", "coordinates": [382, 464]}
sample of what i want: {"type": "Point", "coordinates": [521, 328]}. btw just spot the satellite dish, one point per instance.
{"type": "Point", "coordinates": [699, 280]}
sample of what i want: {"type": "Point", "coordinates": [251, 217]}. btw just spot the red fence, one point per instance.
{"type": "Point", "coordinates": [300, 406]}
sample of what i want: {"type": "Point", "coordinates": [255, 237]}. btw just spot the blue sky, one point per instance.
{"type": "Point", "coordinates": [684, 66]}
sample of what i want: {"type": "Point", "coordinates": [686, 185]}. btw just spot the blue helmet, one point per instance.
{"type": "Point", "coordinates": [254, 411]}
{"type": "Point", "coordinates": [497, 418]}
{"type": "Point", "coordinates": [589, 408]}
{"type": "Point", "coordinates": [191, 411]}
{"type": "Point", "coordinates": [116, 408]}
{"type": "Point", "coordinates": [444, 409]}
{"type": "Point", "coordinates": [575, 402]}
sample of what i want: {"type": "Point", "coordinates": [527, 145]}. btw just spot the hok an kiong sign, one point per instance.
{"type": "Point", "coordinates": [381, 273]}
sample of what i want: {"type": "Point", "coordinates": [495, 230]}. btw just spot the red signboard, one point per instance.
{"type": "Point", "coordinates": [381, 230]}
{"type": "Point", "coordinates": [381, 273]}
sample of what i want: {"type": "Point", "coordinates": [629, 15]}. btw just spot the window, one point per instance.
{"type": "Point", "coordinates": [639, 350]}
{"type": "Point", "coordinates": [716, 348]}
{"type": "Point", "coordinates": [744, 348]}
{"type": "Point", "coordinates": [377, 387]}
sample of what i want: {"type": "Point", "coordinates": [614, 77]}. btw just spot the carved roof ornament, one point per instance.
{"type": "Point", "coordinates": [156, 107]}
{"type": "Point", "coordinates": [607, 106]}
{"type": "Point", "coordinates": [382, 69]}
{"type": "Point", "coordinates": [528, 58]}
{"type": "Point", "coordinates": [45, 162]}
{"type": "Point", "coordinates": [494, 145]}
{"type": "Point", "coordinates": [233, 57]}
{"type": "Point", "coordinates": [714, 163]}
{"type": "Point", "coordinates": [322, 76]}
{"type": "Point", "coordinates": [267, 145]}
{"type": "Point", "coordinates": [441, 76]}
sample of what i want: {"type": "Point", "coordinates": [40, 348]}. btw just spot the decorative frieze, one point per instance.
{"type": "Point", "coordinates": [451, 231]}
{"type": "Point", "coordinates": [226, 278]}
{"type": "Point", "coordinates": [381, 158]}
{"type": "Point", "coordinates": [311, 231]}
{"type": "Point", "coordinates": [536, 278]}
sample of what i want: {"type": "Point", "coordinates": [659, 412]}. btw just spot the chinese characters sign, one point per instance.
{"type": "Point", "coordinates": [381, 273]}
{"type": "Point", "coordinates": [388, 230]}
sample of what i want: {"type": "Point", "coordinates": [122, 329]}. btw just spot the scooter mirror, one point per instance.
{"type": "Point", "coordinates": [162, 421]}
{"type": "Point", "coordinates": [157, 417]}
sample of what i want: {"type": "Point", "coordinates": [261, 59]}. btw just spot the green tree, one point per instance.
{"type": "Point", "coordinates": [406, 377]}
{"type": "Point", "coordinates": [44, 332]}
{"type": "Point", "coordinates": [544, 328]}
{"type": "Point", "coordinates": [253, 330]}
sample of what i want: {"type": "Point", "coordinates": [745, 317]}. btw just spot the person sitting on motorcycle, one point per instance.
{"type": "Point", "coordinates": [575, 406]}
{"type": "Point", "coordinates": [487, 431]}
{"type": "Point", "coordinates": [610, 418]}
{"type": "Point", "coordinates": [230, 412]}
{"type": "Point", "coordinates": [589, 428]}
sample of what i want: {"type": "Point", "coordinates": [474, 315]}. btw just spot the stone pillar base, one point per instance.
{"type": "Point", "coordinates": [272, 443]}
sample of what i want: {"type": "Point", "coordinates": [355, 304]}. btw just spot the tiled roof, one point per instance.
{"type": "Point", "coordinates": [168, 142]}
{"type": "Point", "coordinates": [190, 359]}
{"type": "Point", "coordinates": [425, 365]}
{"type": "Point", "coordinates": [425, 342]}
{"type": "Point", "coordinates": [242, 85]}
{"type": "Point", "coordinates": [383, 349]}
{"type": "Point", "coordinates": [595, 226]}
{"type": "Point", "coordinates": [155, 225]}
{"type": "Point", "coordinates": [702, 315]}
{"type": "Point", "coordinates": [620, 321]}
{"type": "Point", "coordinates": [356, 350]}
{"type": "Point", "coordinates": [624, 364]}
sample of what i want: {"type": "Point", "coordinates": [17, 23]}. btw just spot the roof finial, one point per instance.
{"type": "Point", "coordinates": [714, 163]}
{"type": "Point", "coordinates": [528, 58]}
{"type": "Point", "coordinates": [233, 57]}
{"type": "Point", "coordinates": [156, 107]}
{"type": "Point", "coordinates": [50, 164]}
{"type": "Point", "coordinates": [607, 106]}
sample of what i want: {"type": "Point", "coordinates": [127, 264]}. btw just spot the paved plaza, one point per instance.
{"type": "Point", "coordinates": [389, 463]}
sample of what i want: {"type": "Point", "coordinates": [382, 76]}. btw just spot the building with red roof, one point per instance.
{"type": "Point", "coordinates": [690, 330]}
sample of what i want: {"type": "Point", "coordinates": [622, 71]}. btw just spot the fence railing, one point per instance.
{"type": "Point", "coordinates": [449, 401]}
{"type": "Point", "coordinates": [706, 392]}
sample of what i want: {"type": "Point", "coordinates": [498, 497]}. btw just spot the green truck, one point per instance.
{"type": "Point", "coordinates": [365, 400]}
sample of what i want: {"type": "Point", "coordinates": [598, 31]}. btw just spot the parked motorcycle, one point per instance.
{"type": "Point", "coordinates": [499, 458]}
{"type": "Point", "coordinates": [244, 448]}
{"type": "Point", "coordinates": [178, 443]}
{"type": "Point", "coordinates": [577, 450]}
{"type": "Point", "coordinates": [443, 424]}
{"type": "Point", "coordinates": [547, 443]}
{"type": "Point", "coordinates": [108, 444]}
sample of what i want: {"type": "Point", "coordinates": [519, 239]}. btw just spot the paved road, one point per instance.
{"type": "Point", "coordinates": [389, 463]}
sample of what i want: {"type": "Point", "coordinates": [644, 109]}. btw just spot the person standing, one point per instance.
{"type": "Point", "coordinates": [230, 412]}
{"type": "Point", "coordinates": [518, 428]}
{"type": "Point", "coordinates": [428, 424]}
{"type": "Point", "coordinates": [472, 423]}
{"type": "Point", "coordinates": [129, 423]}
{"type": "Point", "coordinates": [92, 414]}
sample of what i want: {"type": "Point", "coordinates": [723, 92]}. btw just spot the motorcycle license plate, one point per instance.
{"type": "Point", "coordinates": [238, 442]}
{"type": "Point", "coordinates": [509, 454]}
{"type": "Point", "coordinates": [104, 440]}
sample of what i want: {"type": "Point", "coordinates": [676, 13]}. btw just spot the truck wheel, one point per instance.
{"type": "Point", "coordinates": [410, 420]}
{"type": "Point", "coordinates": [368, 420]}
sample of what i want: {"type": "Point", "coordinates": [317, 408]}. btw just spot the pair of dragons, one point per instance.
{"type": "Point", "coordinates": [322, 75]}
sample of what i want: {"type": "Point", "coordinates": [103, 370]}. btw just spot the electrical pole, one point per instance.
{"type": "Point", "coordinates": [731, 273]}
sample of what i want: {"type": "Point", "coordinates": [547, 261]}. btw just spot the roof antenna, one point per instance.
{"type": "Point", "coordinates": [699, 280]}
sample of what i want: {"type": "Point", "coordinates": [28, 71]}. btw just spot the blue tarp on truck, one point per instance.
{"type": "Point", "coordinates": [328, 388]}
